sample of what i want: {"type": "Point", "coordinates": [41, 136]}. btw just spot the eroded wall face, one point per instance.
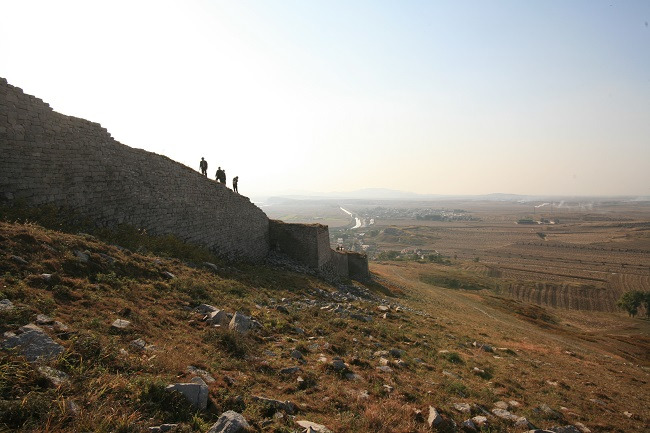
{"type": "Point", "coordinates": [358, 266]}
{"type": "Point", "coordinates": [298, 241]}
{"type": "Point", "coordinates": [50, 158]}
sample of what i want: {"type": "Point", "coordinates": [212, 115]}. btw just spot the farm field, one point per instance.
{"type": "Point", "coordinates": [584, 255]}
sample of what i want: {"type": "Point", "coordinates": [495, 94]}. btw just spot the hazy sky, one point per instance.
{"type": "Point", "coordinates": [456, 97]}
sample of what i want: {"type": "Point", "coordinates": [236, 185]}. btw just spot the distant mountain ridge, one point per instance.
{"type": "Point", "coordinates": [392, 194]}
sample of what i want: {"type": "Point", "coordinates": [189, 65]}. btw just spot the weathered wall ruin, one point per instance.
{"type": "Point", "coordinates": [309, 245]}
{"type": "Point", "coordinates": [47, 157]}
{"type": "Point", "coordinates": [50, 158]}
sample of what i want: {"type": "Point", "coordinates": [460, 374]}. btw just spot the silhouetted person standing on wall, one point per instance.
{"type": "Point", "coordinates": [204, 167]}
{"type": "Point", "coordinates": [223, 176]}
{"type": "Point", "coordinates": [220, 174]}
{"type": "Point", "coordinates": [235, 181]}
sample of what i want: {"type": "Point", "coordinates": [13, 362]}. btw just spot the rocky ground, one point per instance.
{"type": "Point", "coordinates": [98, 337]}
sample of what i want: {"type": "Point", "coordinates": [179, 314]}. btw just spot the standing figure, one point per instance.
{"type": "Point", "coordinates": [219, 175]}
{"type": "Point", "coordinates": [223, 176]}
{"type": "Point", "coordinates": [235, 180]}
{"type": "Point", "coordinates": [204, 167]}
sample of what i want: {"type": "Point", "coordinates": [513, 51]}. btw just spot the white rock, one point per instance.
{"type": "Point", "coordinates": [462, 407]}
{"type": "Point", "coordinates": [120, 324]}
{"type": "Point", "coordinates": [229, 422]}
{"type": "Point", "coordinates": [240, 323]}
{"type": "Point", "coordinates": [205, 309]}
{"type": "Point", "coordinates": [56, 377]}
{"type": "Point", "coordinates": [313, 427]}
{"type": "Point", "coordinates": [33, 343]}
{"type": "Point", "coordinates": [218, 317]}
{"type": "Point", "coordinates": [434, 419]}
{"type": "Point", "coordinates": [195, 392]}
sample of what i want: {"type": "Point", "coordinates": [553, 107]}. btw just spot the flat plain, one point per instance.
{"type": "Point", "coordinates": [580, 255]}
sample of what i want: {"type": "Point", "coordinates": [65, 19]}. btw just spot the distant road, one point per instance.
{"type": "Point", "coordinates": [357, 220]}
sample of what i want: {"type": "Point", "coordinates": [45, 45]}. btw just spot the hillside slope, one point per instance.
{"type": "Point", "coordinates": [350, 357]}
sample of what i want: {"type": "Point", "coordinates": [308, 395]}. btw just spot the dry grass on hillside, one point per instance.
{"type": "Point", "coordinates": [115, 387]}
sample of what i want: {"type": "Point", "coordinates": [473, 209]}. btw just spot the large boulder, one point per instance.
{"type": "Point", "coordinates": [33, 343]}
{"type": "Point", "coordinates": [229, 422]}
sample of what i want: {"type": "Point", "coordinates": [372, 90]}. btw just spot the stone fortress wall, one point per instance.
{"type": "Point", "coordinates": [50, 158]}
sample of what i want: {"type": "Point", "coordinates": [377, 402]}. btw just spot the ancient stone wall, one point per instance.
{"type": "Point", "coordinates": [304, 243]}
{"type": "Point", "coordinates": [50, 158]}
{"type": "Point", "coordinates": [309, 244]}
{"type": "Point", "coordinates": [358, 266]}
{"type": "Point", "coordinates": [340, 263]}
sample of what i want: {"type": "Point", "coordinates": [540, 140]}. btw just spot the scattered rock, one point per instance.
{"type": "Point", "coordinates": [42, 319]}
{"type": "Point", "coordinates": [501, 405]}
{"type": "Point", "coordinates": [19, 260]}
{"type": "Point", "coordinates": [229, 422]}
{"type": "Point", "coordinates": [296, 354]}
{"type": "Point", "coordinates": [383, 308]}
{"type": "Point", "coordinates": [522, 422]}
{"type": "Point", "coordinates": [582, 427]}
{"type": "Point", "coordinates": [162, 428]}
{"type": "Point", "coordinates": [388, 389]}
{"type": "Point", "coordinates": [46, 277]}
{"type": "Point", "coordinates": [218, 317]}
{"type": "Point", "coordinates": [59, 327]}
{"type": "Point", "coordinates": [504, 414]}
{"type": "Point", "coordinates": [276, 405]}
{"type": "Point", "coordinates": [212, 266]}
{"type": "Point", "coordinates": [240, 323]}
{"type": "Point", "coordinates": [139, 344]}
{"type": "Point", "coordinates": [205, 309]}
{"type": "Point", "coordinates": [565, 429]}
{"type": "Point", "coordinates": [484, 347]}
{"type": "Point", "coordinates": [397, 353]}
{"type": "Point", "coordinates": [468, 425]}
{"type": "Point", "coordinates": [168, 275]}
{"type": "Point", "coordinates": [120, 324]}
{"type": "Point", "coordinates": [199, 372]}
{"type": "Point", "coordinates": [6, 305]}
{"type": "Point", "coordinates": [548, 413]}
{"type": "Point", "coordinates": [385, 369]}
{"type": "Point", "coordinates": [338, 364]}
{"type": "Point", "coordinates": [282, 309]}
{"type": "Point", "coordinates": [462, 407]}
{"type": "Point", "coordinates": [452, 375]}
{"type": "Point", "coordinates": [196, 392]}
{"type": "Point", "coordinates": [290, 370]}
{"type": "Point", "coordinates": [434, 419]}
{"type": "Point", "coordinates": [312, 427]}
{"type": "Point", "coordinates": [82, 256]}
{"type": "Point", "coordinates": [352, 376]}
{"type": "Point", "coordinates": [33, 343]}
{"type": "Point", "coordinates": [56, 377]}
{"type": "Point", "coordinates": [480, 421]}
